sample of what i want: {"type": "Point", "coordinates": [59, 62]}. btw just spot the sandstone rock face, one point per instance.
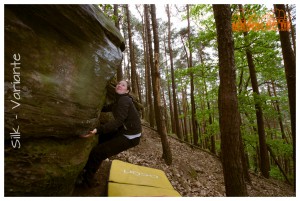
{"type": "Point", "coordinates": [58, 61]}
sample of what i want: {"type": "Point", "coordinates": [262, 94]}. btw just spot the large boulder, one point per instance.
{"type": "Point", "coordinates": [58, 61]}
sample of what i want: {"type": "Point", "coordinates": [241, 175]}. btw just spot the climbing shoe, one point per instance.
{"type": "Point", "coordinates": [86, 181]}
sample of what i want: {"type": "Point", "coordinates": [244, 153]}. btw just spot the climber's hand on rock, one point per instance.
{"type": "Point", "coordinates": [89, 134]}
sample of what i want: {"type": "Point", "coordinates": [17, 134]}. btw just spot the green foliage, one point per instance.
{"type": "Point", "coordinates": [106, 6]}
{"type": "Point", "coordinates": [246, 103]}
{"type": "Point", "coordinates": [212, 129]}
{"type": "Point", "coordinates": [268, 64]}
{"type": "Point", "coordinates": [275, 173]}
{"type": "Point", "coordinates": [251, 141]}
{"type": "Point", "coordinates": [203, 16]}
{"type": "Point", "coordinates": [182, 116]}
{"type": "Point", "coordinates": [218, 146]}
{"type": "Point", "coordinates": [280, 147]}
{"type": "Point", "coordinates": [107, 9]}
{"type": "Point", "coordinates": [266, 52]}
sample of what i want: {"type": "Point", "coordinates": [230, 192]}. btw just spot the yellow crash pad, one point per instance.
{"type": "Point", "coordinates": [127, 179]}
{"type": "Point", "coordinates": [127, 190]}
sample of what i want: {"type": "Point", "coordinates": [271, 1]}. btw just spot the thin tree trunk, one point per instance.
{"type": "Point", "coordinates": [240, 88]}
{"type": "Point", "coordinates": [194, 121]}
{"type": "Point", "coordinates": [161, 127]}
{"type": "Point", "coordinates": [245, 161]}
{"type": "Point", "coordinates": [139, 93]}
{"type": "Point", "coordinates": [126, 58]}
{"type": "Point", "coordinates": [184, 96]}
{"type": "Point", "coordinates": [185, 112]}
{"type": "Point", "coordinates": [176, 114]}
{"type": "Point", "coordinates": [138, 78]}
{"type": "Point", "coordinates": [264, 157]}
{"type": "Point", "coordinates": [290, 73]}
{"type": "Point", "coordinates": [279, 113]}
{"type": "Point", "coordinates": [117, 24]}
{"type": "Point", "coordinates": [210, 121]}
{"type": "Point", "coordinates": [202, 74]}
{"type": "Point", "coordinates": [132, 59]}
{"type": "Point", "coordinates": [292, 29]}
{"type": "Point", "coordinates": [228, 105]}
{"type": "Point", "coordinates": [165, 112]}
{"type": "Point", "coordinates": [173, 129]}
{"type": "Point", "coordinates": [148, 62]}
{"type": "Point", "coordinates": [212, 137]}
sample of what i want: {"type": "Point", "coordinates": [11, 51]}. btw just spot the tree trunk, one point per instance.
{"type": "Point", "coordinates": [126, 59]}
{"type": "Point", "coordinates": [212, 137]}
{"type": "Point", "coordinates": [292, 29]}
{"type": "Point", "coordinates": [176, 115]}
{"type": "Point", "coordinates": [194, 121]}
{"type": "Point", "coordinates": [228, 105]}
{"type": "Point", "coordinates": [245, 161]}
{"type": "Point", "coordinates": [290, 73]}
{"type": "Point", "coordinates": [185, 112]}
{"type": "Point", "coordinates": [279, 113]}
{"type": "Point", "coordinates": [149, 59]}
{"type": "Point", "coordinates": [161, 127]}
{"type": "Point", "coordinates": [131, 52]}
{"type": "Point", "coordinates": [117, 24]}
{"type": "Point", "coordinates": [165, 112]}
{"type": "Point", "coordinates": [139, 91]}
{"type": "Point", "coordinates": [264, 157]}
{"type": "Point", "coordinates": [210, 121]}
{"type": "Point", "coordinates": [139, 80]}
{"type": "Point", "coordinates": [173, 129]}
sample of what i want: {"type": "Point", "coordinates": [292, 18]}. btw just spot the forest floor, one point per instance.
{"type": "Point", "coordinates": [194, 172]}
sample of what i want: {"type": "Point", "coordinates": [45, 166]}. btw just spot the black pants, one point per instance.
{"type": "Point", "coordinates": [109, 145]}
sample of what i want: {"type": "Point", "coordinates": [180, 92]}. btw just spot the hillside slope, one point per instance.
{"type": "Point", "coordinates": [193, 172]}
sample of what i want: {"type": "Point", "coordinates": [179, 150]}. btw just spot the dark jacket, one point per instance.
{"type": "Point", "coordinates": [126, 117]}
